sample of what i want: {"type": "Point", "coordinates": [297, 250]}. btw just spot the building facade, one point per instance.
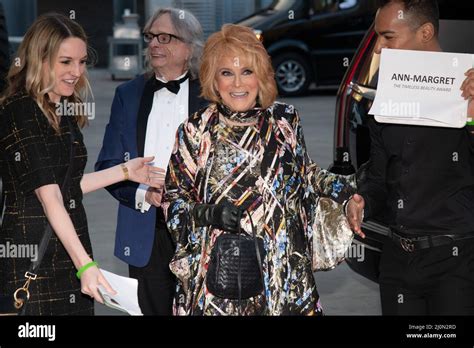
{"type": "Point", "coordinates": [99, 17]}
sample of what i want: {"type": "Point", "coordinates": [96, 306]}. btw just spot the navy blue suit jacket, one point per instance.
{"type": "Point", "coordinates": [125, 139]}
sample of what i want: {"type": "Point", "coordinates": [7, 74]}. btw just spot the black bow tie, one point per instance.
{"type": "Point", "coordinates": [172, 86]}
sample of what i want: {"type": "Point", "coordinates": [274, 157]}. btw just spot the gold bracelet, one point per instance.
{"type": "Point", "coordinates": [125, 171]}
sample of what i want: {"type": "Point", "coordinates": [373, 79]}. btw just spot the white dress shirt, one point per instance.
{"type": "Point", "coordinates": [168, 111]}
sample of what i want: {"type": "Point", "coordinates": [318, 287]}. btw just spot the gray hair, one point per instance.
{"type": "Point", "coordinates": [188, 28]}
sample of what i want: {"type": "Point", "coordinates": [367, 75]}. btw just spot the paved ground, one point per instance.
{"type": "Point", "coordinates": [343, 292]}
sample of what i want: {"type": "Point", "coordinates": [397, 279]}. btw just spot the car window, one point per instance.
{"type": "Point", "coordinates": [330, 6]}
{"type": "Point", "coordinates": [283, 5]}
{"type": "Point", "coordinates": [368, 71]}
{"type": "Point", "coordinates": [454, 36]}
{"type": "Point", "coordinates": [347, 4]}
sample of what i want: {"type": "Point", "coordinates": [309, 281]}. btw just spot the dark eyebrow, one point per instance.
{"type": "Point", "coordinates": [386, 32]}
{"type": "Point", "coordinates": [162, 32]}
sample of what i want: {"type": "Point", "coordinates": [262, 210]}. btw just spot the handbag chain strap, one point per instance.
{"type": "Point", "coordinates": [259, 260]}
{"type": "Point", "coordinates": [31, 274]}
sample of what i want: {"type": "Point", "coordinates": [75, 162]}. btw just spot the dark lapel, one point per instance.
{"type": "Point", "coordinates": [144, 109]}
{"type": "Point", "coordinates": [195, 101]}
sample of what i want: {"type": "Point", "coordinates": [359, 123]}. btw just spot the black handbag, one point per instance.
{"type": "Point", "coordinates": [15, 304]}
{"type": "Point", "coordinates": [235, 268]}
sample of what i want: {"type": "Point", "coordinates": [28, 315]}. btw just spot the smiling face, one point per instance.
{"type": "Point", "coordinates": [69, 65]}
{"type": "Point", "coordinates": [168, 60]}
{"type": "Point", "coordinates": [236, 83]}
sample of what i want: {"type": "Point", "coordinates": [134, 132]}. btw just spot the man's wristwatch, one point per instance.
{"type": "Point", "coordinates": [344, 205]}
{"type": "Point", "coordinates": [125, 172]}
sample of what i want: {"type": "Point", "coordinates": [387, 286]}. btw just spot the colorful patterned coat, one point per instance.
{"type": "Point", "coordinates": [282, 202]}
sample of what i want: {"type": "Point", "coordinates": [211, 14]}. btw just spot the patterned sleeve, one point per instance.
{"type": "Point", "coordinates": [23, 139]}
{"type": "Point", "coordinates": [180, 194]}
{"type": "Point", "coordinates": [337, 187]}
{"type": "Point", "coordinates": [327, 231]}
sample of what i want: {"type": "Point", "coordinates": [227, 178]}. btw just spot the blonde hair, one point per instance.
{"type": "Point", "coordinates": [27, 72]}
{"type": "Point", "coordinates": [240, 41]}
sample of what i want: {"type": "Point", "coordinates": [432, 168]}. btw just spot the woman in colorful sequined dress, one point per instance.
{"type": "Point", "coordinates": [241, 165]}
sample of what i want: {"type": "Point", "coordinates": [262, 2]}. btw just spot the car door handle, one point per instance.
{"type": "Point", "coordinates": [363, 91]}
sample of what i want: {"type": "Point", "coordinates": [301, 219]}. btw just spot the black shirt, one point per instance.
{"type": "Point", "coordinates": [422, 177]}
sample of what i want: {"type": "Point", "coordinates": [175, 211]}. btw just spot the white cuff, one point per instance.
{"type": "Point", "coordinates": [140, 202]}
{"type": "Point", "coordinates": [345, 204]}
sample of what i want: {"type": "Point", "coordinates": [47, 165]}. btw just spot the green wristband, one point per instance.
{"type": "Point", "coordinates": [85, 267]}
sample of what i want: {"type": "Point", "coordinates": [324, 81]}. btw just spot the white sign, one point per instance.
{"type": "Point", "coordinates": [421, 88]}
{"type": "Point", "coordinates": [126, 299]}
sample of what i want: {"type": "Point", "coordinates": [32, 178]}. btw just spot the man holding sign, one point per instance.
{"type": "Point", "coordinates": [423, 178]}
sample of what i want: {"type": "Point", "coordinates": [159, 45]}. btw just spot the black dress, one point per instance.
{"type": "Point", "coordinates": [32, 154]}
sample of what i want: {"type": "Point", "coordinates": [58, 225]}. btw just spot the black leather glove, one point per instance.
{"type": "Point", "coordinates": [223, 216]}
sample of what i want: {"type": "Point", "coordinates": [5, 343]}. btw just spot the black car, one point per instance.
{"type": "Point", "coordinates": [311, 41]}
{"type": "Point", "coordinates": [354, 99]}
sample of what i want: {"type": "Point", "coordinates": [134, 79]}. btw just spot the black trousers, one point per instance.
{"type": "Point", "coordinates": [432, 281]}
{"type": "Point", "coordinates": [156, 283]}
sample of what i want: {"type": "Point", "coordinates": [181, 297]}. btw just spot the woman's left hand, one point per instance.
{"type": "Point", "coordinates": [139, 171]}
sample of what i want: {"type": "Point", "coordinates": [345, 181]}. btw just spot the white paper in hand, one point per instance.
{"type": "Point", "coordinates": [126, 298]}
{"type": "Point", "coordinates": [421, 88]}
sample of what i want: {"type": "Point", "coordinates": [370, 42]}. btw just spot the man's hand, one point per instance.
{"type": "Point", "coordinates": [154, 195]}
{"type": "Point", "coordinates": [355, 209]}
{"type": "Point", "coordinates": [467, 88]}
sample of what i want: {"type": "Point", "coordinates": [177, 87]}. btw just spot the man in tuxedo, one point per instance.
{"type": "Point", "coordinates": [146, 113]}
{"type": "Point", "coordinates": [423, 178]}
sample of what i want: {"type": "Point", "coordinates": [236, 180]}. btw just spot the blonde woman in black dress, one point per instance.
{"type": "Point", "coordinates": [35, 148]}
